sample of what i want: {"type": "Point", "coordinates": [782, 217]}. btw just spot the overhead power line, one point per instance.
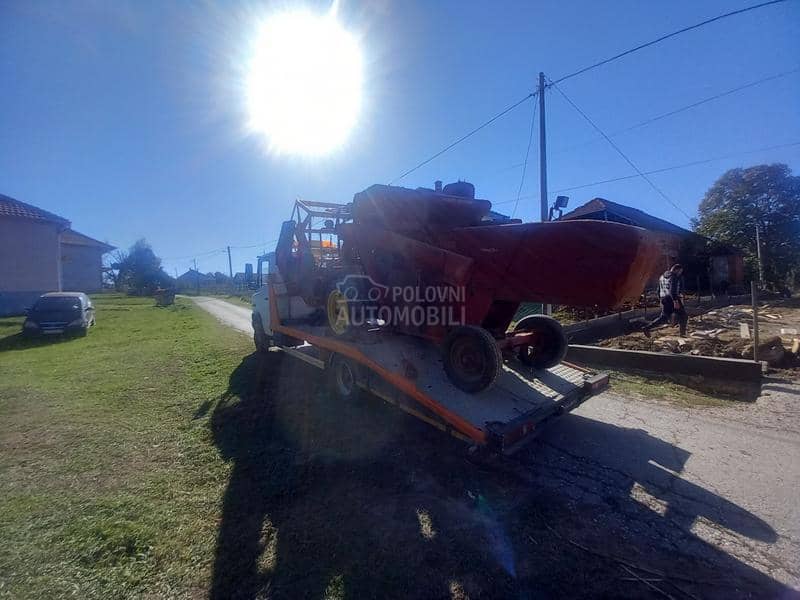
{"type": "Point", "coordinates": [674, 167]}
{"type": "Point", "coordinates": [656, 171]}
{"type": "Point", "coordinates": [666, 37]}
{"type": "Point", "coordinates": [464, 137]}
{"type": "Point", "coordinates": [683, 108]}
{"type": "Point", "coordinates": [261, 245]}
{"type": "Point", "coordinates": [620, 152]}
{"type": "Point", "coordinates": [706, 100]}
{"type": "Point", "coordinates": [669, 114]}
{"type": "Point", "coordinates": [197, 255]}
{"type": "Point", "coordinates": [219, 251]}
{"type": "Point", "coordinates": [527, 154]}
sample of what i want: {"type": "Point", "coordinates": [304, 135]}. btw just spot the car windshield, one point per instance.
{"type": "Point", "coordinates": [57, 303]}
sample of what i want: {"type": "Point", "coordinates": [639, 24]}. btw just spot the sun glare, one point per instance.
{"type": "Point", "coordinates": [304, 83]}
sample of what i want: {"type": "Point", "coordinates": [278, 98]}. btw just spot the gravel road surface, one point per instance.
{"type": "Point", "coordinates": [231, 314]}
{"type": "Point", "coordinates": [712, 486]}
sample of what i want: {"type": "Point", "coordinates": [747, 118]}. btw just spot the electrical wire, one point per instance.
{"type": "Point", "coordinates": [198, 255]}
{"type": "Point", "coordinates": [620, 152]}
{"type": "Point", "coordinates": [674, 167]}
{"type": "Point", "coordinates": [706, 100]}
{"type": "Point", "coordinates": [666, 37]}
{"type": "Point", "coordinates": [527, 154]}
{"type": "Point", "coordinates": [679, 110]}
{"type": "Point", "coordinates": [464, 137]}
{"type": "Point", "coordinates": [219, 251]}
{"type": "Point", "coordinates": [655, 171]}
{"type": "Point", "coordinates": [664, 115]}
{"type": "Point", "coordinates": [261, 245]}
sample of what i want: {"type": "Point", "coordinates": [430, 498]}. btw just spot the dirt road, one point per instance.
{"type": "Point", "coordinates": [231, 314]}
{"type": "Point", "coordinates": [699, 500]}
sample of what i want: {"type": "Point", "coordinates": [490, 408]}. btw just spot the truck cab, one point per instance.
{"type": "Point", "coordinates": [262, 333]}
{"type": "Point", "coordinates": [291, 309]}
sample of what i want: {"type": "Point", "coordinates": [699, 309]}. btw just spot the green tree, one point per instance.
{"type": "Point", "coordinates": [139, 270]}
{"type": "Point", "coordinates": [763, 196]}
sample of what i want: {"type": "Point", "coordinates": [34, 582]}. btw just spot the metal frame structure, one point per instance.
{"type": "Point", "coordinates": [308, 213]}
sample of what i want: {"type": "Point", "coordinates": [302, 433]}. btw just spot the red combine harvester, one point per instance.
{"type": "Point", "coordinates": [402, 286]}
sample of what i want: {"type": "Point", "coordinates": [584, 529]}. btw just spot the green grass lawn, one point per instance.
{"type": "Point", "coordinates": [109, 484]}
{"type": "Point", "coordinates": [160, 457]}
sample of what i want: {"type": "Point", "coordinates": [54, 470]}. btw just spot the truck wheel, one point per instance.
{"type": "Point", "coordinates": [260, 339]}
{"type": "Point", "coordinates": [550, 346]}
{"type": "Point", "coordinates": [471, 358]}
{"type": "Point", "coordinates": [342, 376]}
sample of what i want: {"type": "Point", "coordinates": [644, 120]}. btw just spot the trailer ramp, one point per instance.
{"type": "Point", "coordinates": [408, 372]}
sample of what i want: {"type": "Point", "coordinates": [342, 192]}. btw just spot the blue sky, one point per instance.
{"type": "Point", "coordinates": [127, 117]}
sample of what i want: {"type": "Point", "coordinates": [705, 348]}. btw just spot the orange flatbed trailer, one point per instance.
{"type": "Point", "coordinates": [407, 371]}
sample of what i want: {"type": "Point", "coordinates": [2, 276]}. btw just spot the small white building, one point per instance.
{"type": "Point", "coordinates": [39, 253]}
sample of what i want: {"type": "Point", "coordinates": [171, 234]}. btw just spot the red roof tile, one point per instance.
{"type": "Point", "coordinates": [9, 207]}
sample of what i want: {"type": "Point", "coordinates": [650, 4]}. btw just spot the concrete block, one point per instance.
{"type": "Point", "coordinates": [731, 369]}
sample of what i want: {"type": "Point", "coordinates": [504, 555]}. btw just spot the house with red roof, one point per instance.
{"type": "Point", "coordinates": [40, 252]}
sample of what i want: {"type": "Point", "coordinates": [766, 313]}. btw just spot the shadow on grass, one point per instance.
{"type": "Point", "coordinates": [359, 500]}
{"type": "Point", "coordinates": [19, 341]}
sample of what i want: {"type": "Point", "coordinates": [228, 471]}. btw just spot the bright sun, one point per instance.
{"type": "Point", "coordinates": [304, 83]}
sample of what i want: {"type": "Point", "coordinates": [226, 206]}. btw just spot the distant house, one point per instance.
{"type": "Point", "coordinates": [39, 253]}
{"type": "Point", "coordinates": [82, 262]}
{"type": "Point", "coordinates": [705, 261]}
{"type": "Point", "coordinates": [192, 280]}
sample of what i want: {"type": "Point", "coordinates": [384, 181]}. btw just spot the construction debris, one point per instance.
{"type": "Point", "coordinates": [727, 332]}
{"type": "Point", "coordinates": [770, 351]}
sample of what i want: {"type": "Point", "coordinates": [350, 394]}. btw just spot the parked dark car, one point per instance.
{"type": "Point", "coordinates": [60, 312]}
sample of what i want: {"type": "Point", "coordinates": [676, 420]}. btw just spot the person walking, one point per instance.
{"type": "Point", "coordinates": [670, 290]}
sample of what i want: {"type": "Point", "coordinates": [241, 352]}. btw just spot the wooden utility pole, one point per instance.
{"type": "Point", "coordinates": [754, 300]}
{"type": "Point", "coordinates": [230, 266]}
{"type": "Point", "coordinates": [760, 266]}
{"type": "Point", "coordinates": [542, 153]}
{"type": "Point", "coordinates": [548, 309]}
{"type": "Point", "coordinates": [196, 277]}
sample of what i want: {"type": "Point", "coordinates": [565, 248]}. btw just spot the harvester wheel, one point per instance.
{"type": "Point", "coordinates": [337, 313]}
{"type": "Point", "coordinates": [550, 346]}
{"type": "Point", "coordinates": [471, 358]}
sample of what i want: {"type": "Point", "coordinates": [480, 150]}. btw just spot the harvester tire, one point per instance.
{"type": "Point", "coordinates": [551, 344]}
{"type": "Point", "coordinates": [336, 311]}
{"type": "Point", "coordinates": [471, 358]}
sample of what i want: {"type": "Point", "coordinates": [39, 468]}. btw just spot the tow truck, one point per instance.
{"type": "Point", "coordinates": [405, 370]}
